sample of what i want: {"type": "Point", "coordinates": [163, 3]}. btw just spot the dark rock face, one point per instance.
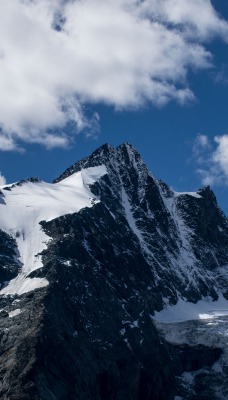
{"type": "Point", "coordinates": [9, 263]}
{"type": "Point", "coordinates": [186, 358]}
{"type": "Point", "coordinates": [179, 236]}
{"type": "Point", "coordinates": [19, 337]}
{"type": "Point", "coordinates": [90, 335]}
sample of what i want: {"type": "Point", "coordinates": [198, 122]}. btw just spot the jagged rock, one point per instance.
{"type": "Point", "coordinates": [9, 264]}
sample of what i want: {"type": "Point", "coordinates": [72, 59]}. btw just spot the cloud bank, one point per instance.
{"type": "Point", "coordinates": [58, 56]}
{"type": "Point", "coordinates": [212, 158]}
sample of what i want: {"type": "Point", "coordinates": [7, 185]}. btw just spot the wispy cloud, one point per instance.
{"type": "Point", "coordinates": [57, 56]}
{"type": "Point", "coordinates": [212, 158]}
{"type": "Point", "coordinates": [2, 179]}
{"type": "Point", "coordinates": [221, 77]}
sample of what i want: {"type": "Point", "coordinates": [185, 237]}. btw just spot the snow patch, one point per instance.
{"type": "Point", "coordinates": [185, 311]}
{"type": "Point", "coordinates": [122, 331]}
{"type": "Point", "coordinates": [14, 313]}
{"type": "Point", "coordinates": [193, 194]}
{"type": "Point", "coordinates": [129, 215]}
{"type": "Point", "coordinates": [21, 284]}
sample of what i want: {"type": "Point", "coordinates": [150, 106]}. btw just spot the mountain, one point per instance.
{"type": "Point", "coordinates": [113, 286]}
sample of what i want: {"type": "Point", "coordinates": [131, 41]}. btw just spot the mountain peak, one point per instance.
{"type": "Point", "coordinates": [103, 252]}
{"type": "Point", "coordinates": [105, 154]}
{"type": "Point", "coordinates": [126, 145]}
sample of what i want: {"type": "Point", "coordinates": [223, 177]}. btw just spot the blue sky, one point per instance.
{"type": "Point", "coordinates": [77, 75]}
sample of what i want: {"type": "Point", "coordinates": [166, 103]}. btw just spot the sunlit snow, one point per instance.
{"type": "Point", "coordinates": [193, 194]}
{"type": "Point", "coordinates": [25, 205]}
{"type": "Point", "coordinates": [184, 311]}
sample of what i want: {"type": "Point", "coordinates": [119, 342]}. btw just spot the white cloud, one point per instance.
{"type": "Point", "coordinates": [196, 18]}
{"type": "Point", "coordinates": [2, 179]}
{"type": "Point", "coordinates": [212, 159]}
{"type": "Point", "coordinates": [202, 141]}
{"type": "Point", "coordinates": [200, 146]}
{"type": "Point", "coordinates": [220, 156]}
{"type": "Point", "coordinates": [57, 56]}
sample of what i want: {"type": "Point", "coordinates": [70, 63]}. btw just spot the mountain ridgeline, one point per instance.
{"type": "Point", "coordinates": [89, 332]}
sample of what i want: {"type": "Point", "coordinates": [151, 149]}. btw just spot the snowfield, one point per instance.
{"type": "Point", "coordinates": [186, 311]}
{"type": "Point", "coordinates": [26, 204]}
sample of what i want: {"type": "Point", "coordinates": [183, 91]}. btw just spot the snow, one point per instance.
{"type": "Point", "coordinates": [132, 224]}
{"type": "Point", "coordinates": [185, 311]}
{"type": "Point", "coordinates": [129, 215]}
{"type": "Point", "coordinates": [22, 284]}
{"type": "Point", "coordinates": [193, 194]}
{"type": "Point", "coordinates": [14, 313]}
{"type": "Point", "coordinates": [122, 331]}
{"type": "Point", "coordinates": [27, 204]}
{"type": "Point", "coordinates": [183, 261]}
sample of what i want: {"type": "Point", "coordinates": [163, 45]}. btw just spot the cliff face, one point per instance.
{"type": "Point", "coordinates": [87, 330]}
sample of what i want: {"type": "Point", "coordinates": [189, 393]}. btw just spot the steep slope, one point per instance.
{"type": "Point", "coordinates": [182, 236]}
{"type": "Point", "coordinates": [120, 247]}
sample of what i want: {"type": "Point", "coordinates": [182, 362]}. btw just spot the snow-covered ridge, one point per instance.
{"type": "Point", "coordinates": [193, 194]}
{"type": "Point", "coordinates": [24, 206]}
